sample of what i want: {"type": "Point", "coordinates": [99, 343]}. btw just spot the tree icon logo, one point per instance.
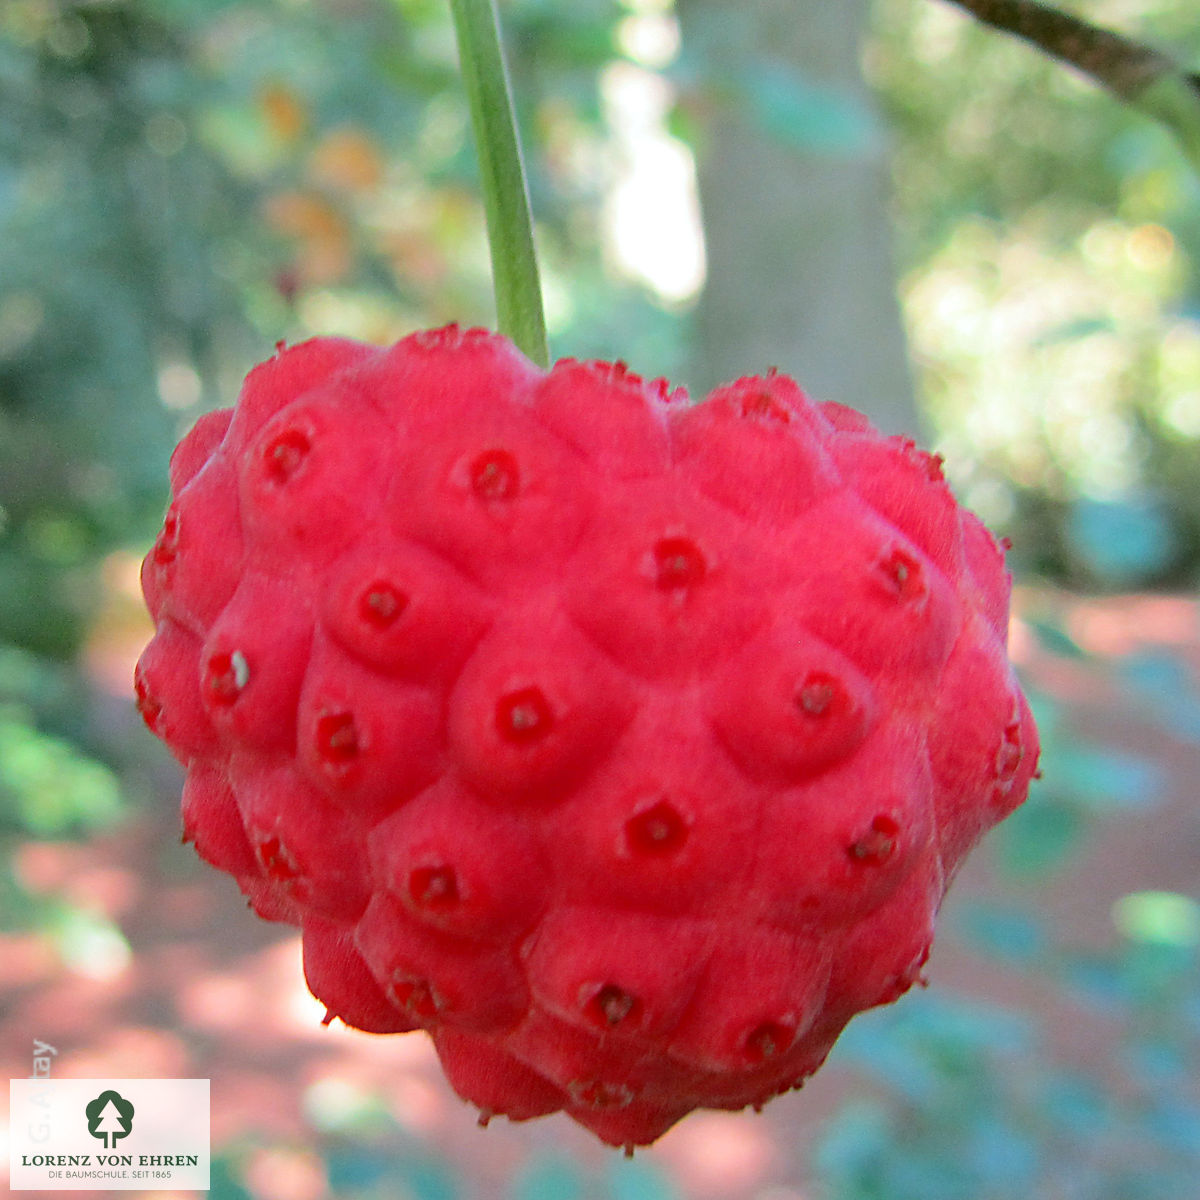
{"type": "Point", "coordinates": [109, 1117]}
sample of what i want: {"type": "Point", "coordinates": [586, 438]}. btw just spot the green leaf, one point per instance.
{"type": "Point", "coordinates": [1055, 638]}
{"type": "Point", "coordinates": [636, 1179]}
{"type": "Point", "coordinates": [1175, 1124]}
{"type": "Point", "coordinates": [223, 1183]}
{"type": "Point", "coordinates": [1075, 330]}
{"type": "Point", "coordinates": [1174, 99]}
{"type": "Point", "coordinates": [1123, 542]}
{"type": "Point", "coordinates": [1096, 979]}
{"type": "Point", "coordinates": [1166, 690]}
{"type": "Point", "coordinates": [1105, 779]}
{"type": "Point", "coordinates": [47, 786]}
{"type": "Point", "coordinates": [854, 1143]}
{"type": "Point", "coordinates": [550, 1177]}
{"type": "Point", "coordinates": [807, 116]}
{"type": "Point", "coordinates": [1075, 1106]}
{"type": "Point", "coordinates": [1038, 838]}
{"type": "Point", "coordinates": [1159, 918]}
{"type": "Point", "coordinates": [1009, 933]}
{"type": "Point", "coordinates": [1000, 1155]}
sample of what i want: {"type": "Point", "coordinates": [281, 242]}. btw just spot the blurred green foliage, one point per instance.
{"type": "Point", "coordinates": [971, 1099]}
{"type": "Point", "coordinates": [972, 1103]}
{"type": "Point", "coordinates": [1049, 241]}
{"type": "Point", "coordinates": [183, 183]}
{"type": "Point", "coordinates": [54, 784]}
{"type": "Point", "coordinates": [108, 215]}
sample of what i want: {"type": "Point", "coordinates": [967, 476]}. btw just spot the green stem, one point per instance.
{"type": "Point", "coordinates": [505, 195]}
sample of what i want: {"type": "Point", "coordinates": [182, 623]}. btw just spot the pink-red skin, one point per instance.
{"type": "Point", "coordinates": [627, 746]}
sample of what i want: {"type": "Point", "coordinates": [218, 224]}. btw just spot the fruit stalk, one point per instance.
{"type": "Point", "coordinates": [505, 193]}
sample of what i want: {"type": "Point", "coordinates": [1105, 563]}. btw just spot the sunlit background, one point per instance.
{"type": "Point", "coordinates": [185, 182]}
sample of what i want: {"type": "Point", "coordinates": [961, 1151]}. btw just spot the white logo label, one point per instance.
{"type": "Point", "coordinates": [108, 1134]}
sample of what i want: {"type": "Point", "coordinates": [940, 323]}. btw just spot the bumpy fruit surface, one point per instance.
{"type": "Point", "coordinates": [625, 745]}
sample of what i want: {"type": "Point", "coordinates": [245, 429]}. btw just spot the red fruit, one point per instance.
{"type": "Point", "coordinates": [624, 746]}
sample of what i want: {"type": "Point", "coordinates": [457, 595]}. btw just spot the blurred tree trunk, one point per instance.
{"type": "Point", "coordinates": [793, 187]}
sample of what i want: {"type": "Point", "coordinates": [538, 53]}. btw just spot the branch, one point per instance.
{"type": "Point", "coordinates": [1141, 76]}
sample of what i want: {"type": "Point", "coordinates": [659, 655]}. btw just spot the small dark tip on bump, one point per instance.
{"type": "Point", "coordinates": [495, 476]}
{"type": "Point", "coordinates": [767, 1040]}
{"type": "Point", "coordinates": [285, 454]}
{"type": "Point", "coordinates": [225, 675]}
{"type": "Point", "coordinates": [878, 844]}
{"type": "Point", "coordinates": [658, 830]}
{"type": "Point", "coordinates": [414, 996]}
{"type": "Point", "coordinates": [523, 716]}
{"type": "Point", "coordinates": [611, 1005]}
{"type": "Point", "coordinates": [277, 860]}
{"type": "Point", "coordinates": [678, 564]}
{"type": "Point", "coordinates": [337, 738]}
{"type": "Point", "coordinates": [902, 574]}
{"type": "Point", "coordinates": [147, 705]}
{"type": "Point", "coordinates": [599, 1094]}
{"type": "Point", "coordinates": [381, 604]}
{"type": "Point", "coordinates": [1009, 753]}
{"type": "Point", "coordinates": [167, 545]}
{"type": "Point", "coordinates": [816, 694]}
{"type": "Point", "coordinates": [762, 405]}
{"type": "Point", "coordinates": [433, 887]}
